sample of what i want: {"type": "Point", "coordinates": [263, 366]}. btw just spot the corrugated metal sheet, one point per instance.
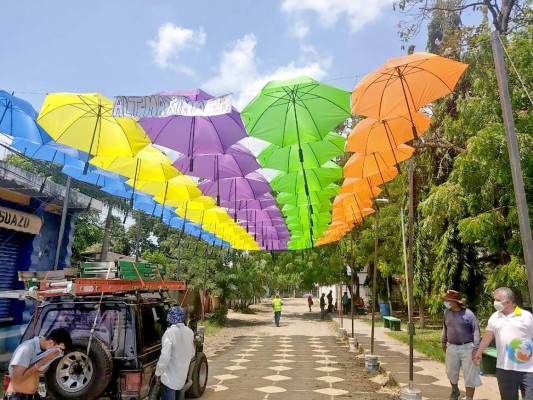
{"type": "Point", "coordinates": [11, 243]}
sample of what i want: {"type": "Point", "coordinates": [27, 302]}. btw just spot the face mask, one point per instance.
{"type": "Point", "coordinates": [448, 305]}
{"type": "Point", "coordinates": [498, 305]}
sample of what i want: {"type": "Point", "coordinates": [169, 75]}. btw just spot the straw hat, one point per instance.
{"type": "Point", "coordinates": [452, 295]}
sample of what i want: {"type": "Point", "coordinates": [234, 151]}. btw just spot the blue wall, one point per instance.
{"type": "Point", "coordinates": [35, 255]}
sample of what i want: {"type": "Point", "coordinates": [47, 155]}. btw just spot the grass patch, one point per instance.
{"type": "Point", "coordinates": [426, 341]}
{"type": "Point", "coordinates": [211, 328]}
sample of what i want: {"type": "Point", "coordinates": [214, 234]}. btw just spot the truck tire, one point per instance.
{"type": "Point", "coordinates": [78, 376]}
{"type": "Point", "coordinates": [199, 377]}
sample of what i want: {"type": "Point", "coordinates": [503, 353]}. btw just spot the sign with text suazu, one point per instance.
{"type": "Point", "coordinates": [159, 106]}
{"type": "Point", "coordinates": [19, 221]}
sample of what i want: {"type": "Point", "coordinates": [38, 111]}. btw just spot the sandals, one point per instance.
{"type": "Point", "coordinates": [454, 395]}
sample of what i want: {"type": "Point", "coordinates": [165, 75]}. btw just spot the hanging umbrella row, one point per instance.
{"type": "Point", "coordinates": [391, 98]}
{"type": "Point", "coordinates": [296, 116]}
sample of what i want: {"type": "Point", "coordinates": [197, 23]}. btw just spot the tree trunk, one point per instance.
{"type": "Point", "coordinates": [421, 308]}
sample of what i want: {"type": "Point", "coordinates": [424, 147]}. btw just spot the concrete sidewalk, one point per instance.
{"type": "Point", "coordinates": [429, 376]}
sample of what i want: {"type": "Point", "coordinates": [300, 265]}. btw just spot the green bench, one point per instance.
{"type": "Point", "coordinates": [487, 364]}
{"type": "Point", "coordinates": [392, 323]}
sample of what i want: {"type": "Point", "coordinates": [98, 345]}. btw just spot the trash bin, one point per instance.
{"type": "Point", "coordinates": [384, 309]}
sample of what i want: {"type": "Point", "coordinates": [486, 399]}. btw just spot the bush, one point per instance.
{"type": "Point", "coordinates": [220, 316]}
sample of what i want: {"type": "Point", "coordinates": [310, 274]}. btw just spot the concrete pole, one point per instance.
{"type": "Point", "coordinates": [410, 265]}
{"type": "Point", "coordinates": [64, 215]}
{"type": "Point", "coordinates": [514, 159]}
{"type": "Point", "coordinates": [374, 282]}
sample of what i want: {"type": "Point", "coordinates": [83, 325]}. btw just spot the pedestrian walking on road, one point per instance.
{"type": "Point", "coordinates": [276, 305]}
{"type": "Point", "coordinates": [460, 341]}
{"type": "Point", "coordinates": [24, 373]}
{"type": "Point", "coordinates": [310, 302]}
{"type": "Point", "coordinates": [345, 303]}
{"type": "Point", "coordinates": [176, 354]}
{"type": "Point", "coordinates": [322, 306]}
{"type": "Point", "coordinates": [512, 328]}
{"type": "Point", "coordinates": [330, 301]}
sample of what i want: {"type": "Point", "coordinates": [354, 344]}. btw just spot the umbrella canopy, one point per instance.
{"type": "Point", "coordinates": [321, 196]}
{"type": "Point", "coordinates": [405, 84]}
{"type": "Point", "coordinates": [234, 189]}
{"type": "Point", "coordinates": [308, 180]}
{"type": "Point", "coordinates": [17, 119]}
{"type": "Point", "coordinates": [357, 184]}
{"type": "Point", "coordinates": [177, 188]}
{"type": "Point", "coordinates": [264, 201]}
{"type": "Point", "coordinates": [363, 165]}
{"type": "Point", "coordinates": [295, 111]}
{"type": "Point", "coordinates": [94, 176]}
{"type": "Point", "coordinates": [85, 122]}
{"type": "Point", "coordinates": [193, 136]}
{"type": "Point", "coordinates": [149, 164]}
{"type": "Point", "coordinates": [50, 151]}
{"type": "Point", "coordinates": [315, 154]}
{"type": "Point", "coordinates": [236, 161]}
{"type": "Point", "coordinates": [371, 135]}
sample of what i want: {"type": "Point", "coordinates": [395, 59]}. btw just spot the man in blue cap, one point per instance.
{"type": "Point", "coordinates": [176, 354]}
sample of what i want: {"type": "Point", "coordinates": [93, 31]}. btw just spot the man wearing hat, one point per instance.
{"type": "Point", "coordinates": [176, 354]}
{"type": "Point", "coordinates": [460, 340]}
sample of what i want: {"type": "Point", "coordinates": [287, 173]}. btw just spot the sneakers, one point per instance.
{"type": "Point", "coordinates": [454, 395]}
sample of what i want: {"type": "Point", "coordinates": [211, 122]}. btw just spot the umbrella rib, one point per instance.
{"type": "Point", "coordinates": [419, 69]}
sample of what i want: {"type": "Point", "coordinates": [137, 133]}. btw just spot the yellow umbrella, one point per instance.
{"type": "Point", "coordinates": [149, 164]}
{"type": "Point", "coordinates": [178, 188]}
{"type": "Point", "coordinates": [85, 122]}
{"type": "Point", "coordinates": [197, 203]}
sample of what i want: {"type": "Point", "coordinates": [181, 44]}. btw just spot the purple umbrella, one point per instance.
{"type": "Point", "coordinates": [264, 201]}
{"type": "Point", "coordinates": [193, 136]}
{"type": "Point", "coordinates": [234, 189]}
{"type": "Point", "coordinates": [236, 161]}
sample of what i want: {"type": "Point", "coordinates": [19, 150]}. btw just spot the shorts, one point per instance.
{"type": "Point", "coordinates": [460, 356]}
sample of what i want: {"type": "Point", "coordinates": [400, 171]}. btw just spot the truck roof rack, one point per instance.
{"type": "Point", "coordinates": [63, 283]}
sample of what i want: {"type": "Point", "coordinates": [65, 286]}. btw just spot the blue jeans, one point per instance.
{"type": "Point", "coordinates": [277, 316]}
{"type": "Point", "coordinates": [171, 394]}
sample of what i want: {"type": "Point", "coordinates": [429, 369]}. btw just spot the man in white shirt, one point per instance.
{"type": "Point", "coordinates": [512, 328]}
{"type": "Point", "coordinates": [176, 354]}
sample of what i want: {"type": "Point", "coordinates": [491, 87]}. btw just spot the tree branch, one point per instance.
{"type": "Point", "coordinates": [439, 144]}
{"type": "Point", "coordinates": [432, 8]}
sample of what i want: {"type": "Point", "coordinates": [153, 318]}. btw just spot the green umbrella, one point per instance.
{"type": "Point", "coordinates": [318, 217]}
{"type": "Point", "coordinates": [294, 111]}
{"type": "Point", "coordinates": [299, 199]}
{"type": "Point", "coordinates": [315, 154]}
{"type": "Point", "coordinates": [307, 180]}
{"type": "Point", "coordinates": [289, 209]}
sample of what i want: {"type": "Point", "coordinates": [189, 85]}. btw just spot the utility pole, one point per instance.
{"type": "Point", "coordinates": [514, 159]}
{"type": "Point", "coordinates": [63, 222]}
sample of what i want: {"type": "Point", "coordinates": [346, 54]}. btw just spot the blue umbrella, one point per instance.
{"type": "Point", "coordinates": [51, 151]}
{"type": "Point", "coordinates": [17, 119]}
{"type": "Point", "coordinates": [118, 189]}
{"type": "Point", "coordinates": [94, 176]}
{"type": "Point", "coordinates": [148, 205]}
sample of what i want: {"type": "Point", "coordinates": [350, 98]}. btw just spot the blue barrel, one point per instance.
{"type": "Point", "coordinates": [384, 309]}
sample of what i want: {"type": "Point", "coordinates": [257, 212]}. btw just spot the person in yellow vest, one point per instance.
{"type": "Point", "coordinates": [276, 305]}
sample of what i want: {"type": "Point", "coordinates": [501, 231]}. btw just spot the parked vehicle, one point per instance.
{"type": "Point", "coordinates": [116, 356]}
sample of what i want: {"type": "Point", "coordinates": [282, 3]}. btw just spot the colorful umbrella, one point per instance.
{"type": "Point", "coordinates": [193, 136]}
{"type": "Point", "coordinates": [234, 189]}
{"type": "Point", "coordinates": [236, 161]}
{"type": "Point", "coordinates": [307, 180]}
{"type": "Point", "coordinates": [295, 111]}
{"type": "Point", "coordinates": [17, 119]}
{"type": "Point", "coordinates": [363, 165]}
{"type": "Point", "coordinates": [85, 122]}
{"type": "Point", "coordinates": [315, 154]}
{"type": "Point", "coordinates": [403, 85]}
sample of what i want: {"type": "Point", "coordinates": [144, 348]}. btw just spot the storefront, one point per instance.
{"type": "Point", "coordinates": [30, 219]}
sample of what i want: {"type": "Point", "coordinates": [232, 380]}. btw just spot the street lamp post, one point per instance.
{"type": "Point", "coordinates": [375, 272]}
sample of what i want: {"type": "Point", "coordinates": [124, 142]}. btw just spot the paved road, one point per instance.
{"type": "Point", "coordinates": [298, 360]}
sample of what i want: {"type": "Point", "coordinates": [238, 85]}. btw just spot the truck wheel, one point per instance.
{"type": "Point", "coordinates": [80, 376]}
{"type": "Point", "coordinates": [199, 377]}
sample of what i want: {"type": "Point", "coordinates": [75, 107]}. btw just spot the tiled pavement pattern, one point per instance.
{"type": "Point", "coordinates": [287, 367]}
{"type": "Point", "coordinates": [299, 360]}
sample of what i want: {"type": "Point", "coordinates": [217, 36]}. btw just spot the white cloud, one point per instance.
{"type": "Point", "coordinates": [299, 29]}
{"type": "Point", "coordinates": [358, 12]}
{"type": "Point", "coordinates": [238, 73]}
{"type": "Point", "coordinates": [171, 42]}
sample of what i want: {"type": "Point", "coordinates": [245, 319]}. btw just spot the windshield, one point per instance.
{"type": "Point", "coordinates": [79, 322]}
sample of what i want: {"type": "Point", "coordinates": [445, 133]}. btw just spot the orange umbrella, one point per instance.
{"type": "Point", "coordinates": [358, 184]}
{"type": "Point", "coordinates": [372, 135]}
{"type": "Point", "coordinates": [365, 165]}
{"type": "Point", "coordinates": [403, 85]}
{"type": "Point", "coordinates": [345, 200]}
{"type": "Point", "coordinates": [363, 189]}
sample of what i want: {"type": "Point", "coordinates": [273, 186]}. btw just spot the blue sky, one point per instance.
{"type": "Point", "coordinates": [134, 47]}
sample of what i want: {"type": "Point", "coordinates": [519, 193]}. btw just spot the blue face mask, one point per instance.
{"type": "Point", "coordinates": [448, 305]}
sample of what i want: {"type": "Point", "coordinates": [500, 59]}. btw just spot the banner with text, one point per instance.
{"type": "Point", "coordinates": [19, 221]}
{"type": "Point", "coordinates": [160, 106]}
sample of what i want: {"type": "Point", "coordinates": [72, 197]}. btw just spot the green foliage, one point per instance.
{"type": "Point", "coordinates": [87, 232]}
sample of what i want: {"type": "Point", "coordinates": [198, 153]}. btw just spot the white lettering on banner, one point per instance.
{"type": "Point", "coordinates": [160, 106]}
{"type": "Point", "coordinates": [19, 221]}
